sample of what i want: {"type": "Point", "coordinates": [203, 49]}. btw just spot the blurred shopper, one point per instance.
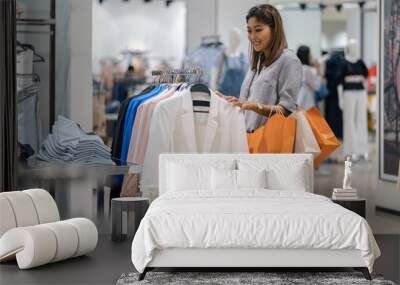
{"type": "Point", "coordinates": [311, 82]}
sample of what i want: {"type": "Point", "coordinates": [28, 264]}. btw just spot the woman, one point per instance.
{"type": "Point", "coordinates": [274, 78]}
{"type": "Point", "coordinates": [311, 82]}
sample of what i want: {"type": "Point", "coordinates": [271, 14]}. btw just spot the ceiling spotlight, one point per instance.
{"type": "Point", "coordinates": [303, 6]}
{"type": "Point", "coordinates": [168, 2]}
{"type": "Point", "coordinates": [361, 4]}
{"type": "Point", "coordinates": [322, 7]}
{"type": "Point", "coordinates": [147, 1]}
{"type": "Point", "coordinates": [338, 7]}
{"type": "Point", "coordinates": [101, 1]}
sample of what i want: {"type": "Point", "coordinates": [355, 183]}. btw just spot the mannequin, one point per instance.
{"type": "Point", "coordinates": [353, 100]}
{"type": "Point", "coordinates": [228, 76]}
{"type": "Point", "coordinates": [234, 40]}
{"type": "Point", "coordinates": [232, 49]}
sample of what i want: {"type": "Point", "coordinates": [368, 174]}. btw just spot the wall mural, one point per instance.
{"type": "Point", "coordinates": [389, 134]}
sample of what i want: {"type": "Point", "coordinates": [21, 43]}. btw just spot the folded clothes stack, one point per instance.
{"type": "Point", "coordinates": [344, 194]}
{"type": "Point", "coordinates": [69, 143]}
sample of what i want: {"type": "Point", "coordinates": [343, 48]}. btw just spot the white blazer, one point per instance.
{"type": "Point", "coordinates": [173, 130]}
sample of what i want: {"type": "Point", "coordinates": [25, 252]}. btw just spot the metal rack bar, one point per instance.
{"type": "Point", "coordinates": [37, 22]}
{"type": "Point", "coordinates": [174, 72]}
{"type": "Point", "coordinates": [34, 32]}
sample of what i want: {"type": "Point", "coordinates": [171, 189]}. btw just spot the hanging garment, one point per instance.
{"type": "Point", "coordinates": [333, 74]}
{"type": "Point", "coordinates": [205, 57]}
{"type": "Point", "coordinates": [175, 128]}
{"type": "Point", "coordinates": [138, 143]}
{"type": "Point", "coordinates": [233, 71]}
{"type": "Point", "coordinates": [355, 128]}
{"type": "Point", "coordinates": [130, 118]}
{"type": "Point", "coordinates": [24, 61]}
{"type": "Point", "coordinates": [28, 113]}
{"type": "Point", "coordinates": [140, 132]}
{"type": "Point", "coordinates": [117, 141]}
{"type": "Point", "coordinates": [310, 84]}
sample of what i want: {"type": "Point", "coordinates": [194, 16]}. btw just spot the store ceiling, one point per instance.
{"type": "Point", "coordinates": [326, 2]}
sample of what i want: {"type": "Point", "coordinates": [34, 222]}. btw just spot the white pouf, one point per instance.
{"type": "Point", "coordinates": [41, 244]}
{"type": "Point", "coordinates": [31, 232]}
{"type": "Point", "coordinates": [6, 216]}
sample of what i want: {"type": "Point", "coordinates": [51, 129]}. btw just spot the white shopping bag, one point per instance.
{"type": "Point", "coordinates": [305, 141]}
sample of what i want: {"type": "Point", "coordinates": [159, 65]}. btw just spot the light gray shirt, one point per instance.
{"type": "Point", "coordinates": [278, 83]}
{"type": "Point", "coordinates": [311, 83]}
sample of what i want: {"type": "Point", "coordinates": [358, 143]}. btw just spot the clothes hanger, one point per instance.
{"type": "Point", "coordinates": [25, 47]}
{"type": "Point", "coordinates": [200, 87]}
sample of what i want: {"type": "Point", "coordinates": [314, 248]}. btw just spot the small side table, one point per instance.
{"type": "Point", "coordinates": [358, 206]}
{"type": "Point", "coordinates": [135, 207]}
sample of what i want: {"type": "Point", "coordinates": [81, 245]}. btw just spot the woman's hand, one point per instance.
{"type": "Point", "coordinates": [244, 105]}
{"type": "Point", "coordinates": [249, 106]}
{"type": "Point", "coordinates": [224, 96]}
{"type": "Point", "coordinates": [236, 102]}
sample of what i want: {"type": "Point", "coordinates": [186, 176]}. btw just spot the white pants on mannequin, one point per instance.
{"type": "Point", "coordinates": [355, 126]}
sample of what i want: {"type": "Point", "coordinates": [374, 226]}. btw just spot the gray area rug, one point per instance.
{"type": "Point", "coordinates": [273, 278]}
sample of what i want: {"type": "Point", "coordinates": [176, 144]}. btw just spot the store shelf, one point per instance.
{"type": "Point", "coordinates": [70, 170]}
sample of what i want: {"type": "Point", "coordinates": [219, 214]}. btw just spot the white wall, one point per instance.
{"type": "Point", "coordinates": [233, 14]}
{"type": "Point", "coordinates": [219, 16]}
{"type": "Point", "coordinates": [153, 27]}
{"type": "Point", "coordinates": [371, 38]}
{"type": "Point", "coordinates": [303, 28]}
{"type": "Point", "coordinates": [80, 71]}
{"type": "Point", "coordinates": [333, 34]}
{"type": "Point", "coordinates": [201, 21]}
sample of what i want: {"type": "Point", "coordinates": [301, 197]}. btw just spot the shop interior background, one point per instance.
{"type": "Point", "coordinates": [89, 47]}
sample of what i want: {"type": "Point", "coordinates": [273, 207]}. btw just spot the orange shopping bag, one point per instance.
{"type": "Point", "coordinates": [276, 136]}
{"type": "Point", "coordinates": [325, 137]}
{"type": "Point", "coordinates": [279, 135]}
{"type": "Point", "coordinates": [254, 140]}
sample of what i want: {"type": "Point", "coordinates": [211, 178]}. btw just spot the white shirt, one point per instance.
{"type": "Point", "coordinates": [175, 128]}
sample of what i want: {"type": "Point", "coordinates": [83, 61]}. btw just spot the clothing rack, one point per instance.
{"type": "Point", "coordinates": [176, 75]}
{"type": "Point", "coordinates": [197, 87]}
{"type": "Point", "coordinates": [175, 72]}
{"type": "Point", "coordinates": [51, 32]}
{"type": "Point", "coordinates": [29, 128]}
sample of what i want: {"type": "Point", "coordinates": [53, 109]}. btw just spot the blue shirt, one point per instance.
{"type": "Point", "coordinates": [130, 118]}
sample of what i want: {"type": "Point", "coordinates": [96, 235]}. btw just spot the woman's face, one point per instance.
{"type": "Point", "coordinates": [259, 34]}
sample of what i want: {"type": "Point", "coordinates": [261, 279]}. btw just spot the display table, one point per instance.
{"type": "Point", "coordinates": [79, 190]}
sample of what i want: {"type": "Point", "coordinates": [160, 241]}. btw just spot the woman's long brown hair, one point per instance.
{"type": "Point", "coordinates": [270, 16]}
